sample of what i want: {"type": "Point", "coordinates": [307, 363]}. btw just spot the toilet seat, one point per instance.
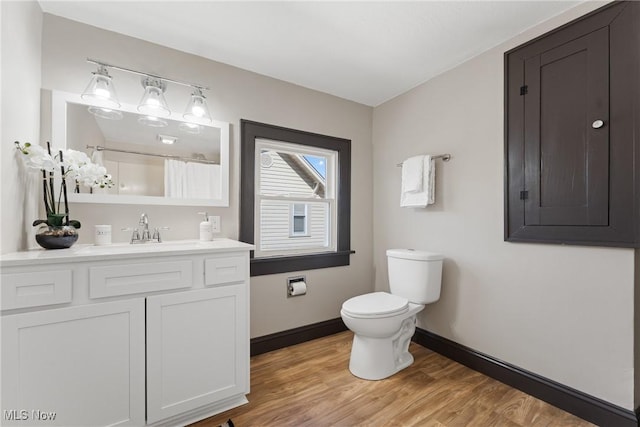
{"type": "Point", "coordinates": [376, 304]}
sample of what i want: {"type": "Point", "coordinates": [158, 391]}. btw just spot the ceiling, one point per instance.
{"type": "Point", "coordinates": [364, 51]}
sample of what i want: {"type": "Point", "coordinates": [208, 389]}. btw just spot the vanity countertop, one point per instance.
{"type": "Point", "coordinates": [88, 252]}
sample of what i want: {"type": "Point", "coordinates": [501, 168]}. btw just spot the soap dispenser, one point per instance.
{"type": "Point", "coordinates": [206, 230]}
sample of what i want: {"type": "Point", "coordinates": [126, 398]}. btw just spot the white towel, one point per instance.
{"type": "Point", "coordinates": [97, 158]}
{"type": "Point", "coordinates": [412, 172]}
{"type": "Point", "coordinates": [420, 199]}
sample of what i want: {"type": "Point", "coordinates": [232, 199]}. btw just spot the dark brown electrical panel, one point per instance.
{"type": "Point", "coordinates": [572, 132]}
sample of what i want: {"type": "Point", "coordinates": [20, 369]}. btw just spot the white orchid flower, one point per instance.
{"type": "Point", "coordinates": [36, 157]}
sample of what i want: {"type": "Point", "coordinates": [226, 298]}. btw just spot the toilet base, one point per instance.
{"type": "Point", "coordinates": [379, 358]}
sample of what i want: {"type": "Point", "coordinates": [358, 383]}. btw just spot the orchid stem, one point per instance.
{"type": "Point", "coordinates": [64, 191]}
{"type": "Point", "coordinates": [47, 208]}
{"type": "Point", "coordinates": [52, 193]}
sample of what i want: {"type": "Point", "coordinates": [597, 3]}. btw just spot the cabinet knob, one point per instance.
{"type": "Point", "coordinates": [597, 124]}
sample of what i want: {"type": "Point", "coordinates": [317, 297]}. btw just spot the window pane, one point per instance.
{"type": "Point", "coordinates": [293, 175]}
{"type": "Point", "coordinates": [299, 224]}
{"type": "Point", "coordinates": [299, 209]}
{"type": "Point", "coordinates": [275, 226]}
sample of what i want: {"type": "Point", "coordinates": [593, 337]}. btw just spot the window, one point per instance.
{"type": "Point", "coordinates": [298, 221]}
{"type": "Point", "coordinates": [295, 198]}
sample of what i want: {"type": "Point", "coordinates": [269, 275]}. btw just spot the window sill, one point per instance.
{"type": "Point", "coordinates": [285, 264]}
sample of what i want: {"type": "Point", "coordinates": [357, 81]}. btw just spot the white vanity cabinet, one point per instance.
{"type": "Point", "coordinates": [124, 337]}
{"type": "Point", "coordinates": [197, 349]}
{"type": "Point", "coordinates": [79, 366]}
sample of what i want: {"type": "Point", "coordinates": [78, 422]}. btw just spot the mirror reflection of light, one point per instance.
{"type": "Point", "coordinates": [152, 121]}
{"type": "Point", "coordinates": [167, 139]}
{"type": "Point", "coordinates": [191, 128]}
{"type": "Point", "coordinates": [105, 113]}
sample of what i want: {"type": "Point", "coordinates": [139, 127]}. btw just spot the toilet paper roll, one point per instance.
{"type": "Point", "coordinates": [297, 288]}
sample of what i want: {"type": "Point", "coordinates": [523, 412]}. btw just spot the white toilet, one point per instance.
{"type": "Point", "coordinates": [383, 323]}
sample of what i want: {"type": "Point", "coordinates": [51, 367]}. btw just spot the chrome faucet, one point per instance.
{"type": "Point", "coordinates": [145, 235]}
{"type": "Point", "coordinates": [144, 223]}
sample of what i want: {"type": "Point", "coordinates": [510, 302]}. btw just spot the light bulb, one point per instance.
{"type": "Point", "coordinates": [100, 91]}
{"type": "Point", "coordinates": [197, 110]}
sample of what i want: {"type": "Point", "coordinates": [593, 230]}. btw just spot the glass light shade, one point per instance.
{"type": "Point", "coordinates": [153, 102]}
{"type": "Point", "coordinates": [197, 110]}
{"type": "Point", "coordinates": [100, 91]}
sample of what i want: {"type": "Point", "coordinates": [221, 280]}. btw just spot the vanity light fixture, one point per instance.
{"type": "Point", "coordinates": [167, 139]}
{"type": "Point", "coordinates": [100, 91]}
{"type": "Point", "coordinates": [153, 102]}
{"type": "Point", "coordinates": [153, 105]}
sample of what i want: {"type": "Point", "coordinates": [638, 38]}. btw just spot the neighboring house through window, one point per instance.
{"type": "Point", "coordinates": [295, 193]}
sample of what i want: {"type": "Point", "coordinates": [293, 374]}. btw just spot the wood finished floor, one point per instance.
{"type": "Point", "coordinates": [310, 385]}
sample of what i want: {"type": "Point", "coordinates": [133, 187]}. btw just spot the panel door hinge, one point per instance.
{"type": "Point", "coordinates": [524, 90]}
{"type": "Point", "coordinates": [524, 195]}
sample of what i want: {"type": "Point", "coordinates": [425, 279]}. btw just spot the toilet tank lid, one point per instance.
{"type": "Point", "coordinates": [414, 254]}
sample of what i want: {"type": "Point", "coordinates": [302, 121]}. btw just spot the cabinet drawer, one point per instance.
{"type": "Point", "coordinates": [227, 269]}
{"type": "Point", "coordinates": [126, 279]}
{"type": "Point", "coordinates": [22, 290]}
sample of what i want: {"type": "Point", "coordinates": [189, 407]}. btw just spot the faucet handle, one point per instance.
{"type": "Point", "coordinates": [135, 236]}
{"type": "Point", "coordinates": [156, 233]}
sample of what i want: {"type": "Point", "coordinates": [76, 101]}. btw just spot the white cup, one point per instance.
{"type": "Point", "coordinates": [102, 235]}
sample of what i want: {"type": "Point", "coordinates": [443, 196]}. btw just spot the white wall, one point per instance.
{"type": "Point", "coordinates": [235, 94]}
{"type": "Point", "coordinates": [21, 29]}
{"type": "Point", "coordinates": [563, 312]}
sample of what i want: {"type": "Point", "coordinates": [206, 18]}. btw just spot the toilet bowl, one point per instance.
{"type": "Point", "coordinates": [383, 323]}
{"type": "Point", "coordinates": [381, 338]}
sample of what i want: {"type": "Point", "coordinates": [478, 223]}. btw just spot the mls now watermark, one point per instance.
{"type": "Point", "coordinates": [26, 415]}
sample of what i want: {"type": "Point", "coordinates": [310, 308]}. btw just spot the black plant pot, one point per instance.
{"type": "Point", "coordinates": [57, 237]}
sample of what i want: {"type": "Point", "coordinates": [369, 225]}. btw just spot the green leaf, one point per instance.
{"type": "Point", "coordinates": [40, 221]}
{"type": "Point", "coordinates": [55, 219]}
{"type": "Point", "coordinates": [74, 223]}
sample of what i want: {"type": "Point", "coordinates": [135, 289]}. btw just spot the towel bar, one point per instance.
{"type": "Point", "coordinates": [444, 157]}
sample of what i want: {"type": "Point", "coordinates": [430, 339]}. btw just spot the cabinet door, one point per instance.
{"type": "Point", "coordinates": [197, 349]}
{"type": "Point", "coordinates": [76, 366]}
{"type": "Point", "coordinates": [567, 159]}
{"type": "Point", "coordinates": [572, 131]}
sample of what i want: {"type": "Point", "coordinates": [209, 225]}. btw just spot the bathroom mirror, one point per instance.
{"type": "Point", "coordinates": [165, 161]}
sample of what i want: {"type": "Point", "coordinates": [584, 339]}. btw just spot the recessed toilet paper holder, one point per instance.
{"type": "Point", "coordinates": [296, 286]}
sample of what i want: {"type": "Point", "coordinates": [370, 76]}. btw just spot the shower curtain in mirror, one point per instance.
{"type": "Point", "coordinates": [191, 180]}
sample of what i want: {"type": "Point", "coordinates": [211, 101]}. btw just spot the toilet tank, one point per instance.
{"type": "Point", "coordinates": [415, 275]}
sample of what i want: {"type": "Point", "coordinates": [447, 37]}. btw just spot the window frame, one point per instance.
{"type": "Point", "coordinates": [249, 132]}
